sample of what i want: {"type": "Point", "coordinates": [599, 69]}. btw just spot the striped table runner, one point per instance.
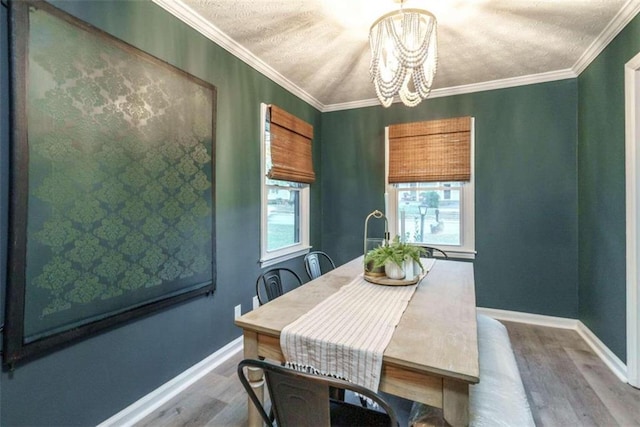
{"type": "Point", "coordinates": [345, 335]}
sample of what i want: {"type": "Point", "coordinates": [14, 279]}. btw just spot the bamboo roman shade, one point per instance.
{"type": "Point", "coordinates": [431, 151]}
{"type": "Point", "coordinates": [290, 147]}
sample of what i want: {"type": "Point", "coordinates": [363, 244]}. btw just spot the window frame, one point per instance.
{"type": "Point", "coordinates": [272, 257]}
{"type": "Point", "coordinates": [467, 205]}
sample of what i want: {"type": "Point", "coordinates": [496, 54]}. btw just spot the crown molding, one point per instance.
{"type": "Point", "coordinates": [187, 15]}
{"type": "Point", "coordinates": [530, 79]}
{"type": "Point", "coordinates": [471, 88]}
{"type": "Point", "coordinates": [372, 102]}
{"type": "Point", "coordinates": [617, 24]}
{"type": "Point", "coordinates": [183, 12]}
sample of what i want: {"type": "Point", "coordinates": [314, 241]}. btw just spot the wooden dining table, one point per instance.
{"type": "Point", "coordinates": [432, 357]}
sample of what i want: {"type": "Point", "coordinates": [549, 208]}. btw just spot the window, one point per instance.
{"type": "Point", "coordinates": [285, 203]}
{"type": "Point", "coordinates": [439, 214]}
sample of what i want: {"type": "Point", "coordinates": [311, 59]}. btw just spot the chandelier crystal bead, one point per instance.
{"type": "Point", "coordinates": [404, 55]}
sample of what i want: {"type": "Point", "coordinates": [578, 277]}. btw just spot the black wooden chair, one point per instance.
{"type": "Point", "coordinates": [314, 262]}
{"type": "Point", "coordinates": [303, 399]}
{"type": "Point", "coordinates": [431, 252]}
{"type": "Point", "coordinates": [271, 283]}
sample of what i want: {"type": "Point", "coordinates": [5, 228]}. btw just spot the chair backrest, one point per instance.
{"type": "Point", "coordinates": [431, 252]}
{"type": "Point", "coordinates": [313, 262]}
{"type": "Point", "coordinates": [303, 399]}
{"type": "Point", "coordinates": [270, 284]}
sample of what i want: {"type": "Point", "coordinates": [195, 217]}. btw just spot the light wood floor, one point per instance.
{"type": "Point", "coordinates": [566, 383]}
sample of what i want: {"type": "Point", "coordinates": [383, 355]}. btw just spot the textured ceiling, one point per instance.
{"type": "Point", "coordinates": [321, 46]}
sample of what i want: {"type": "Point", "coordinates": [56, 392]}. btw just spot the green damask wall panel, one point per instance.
{"type": "Point", "coordinates": [120, 151]}
{"type": "Point", "coordinates": [85, 383]}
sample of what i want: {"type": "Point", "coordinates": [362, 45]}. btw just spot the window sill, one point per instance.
{"type": "Point", "coordinates": [273, 260]}
{"type": "Point", "coordinates": [461, 254]}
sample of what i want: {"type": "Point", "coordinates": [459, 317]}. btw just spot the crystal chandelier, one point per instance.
{"type": "Point", "coordinates": [404, 55]}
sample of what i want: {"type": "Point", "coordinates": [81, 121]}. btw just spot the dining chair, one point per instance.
{"type": "Point", "coordinates": [313, 262]}
{"type": "Point", "coordinates": [303, 399]}
{"type": "Point", "coordinates": [271, 283]}
{"type": "Point", "coordinates": [431, 252]}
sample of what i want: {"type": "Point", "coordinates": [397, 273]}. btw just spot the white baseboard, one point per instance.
{"type": "Point", "coordinates": [531, 319]}
{"type": "Point", "coordinates": [612, 361]}
{"type": "Point", "coordinates": [154, 400]}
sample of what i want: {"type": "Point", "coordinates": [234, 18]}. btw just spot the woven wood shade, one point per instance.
{"type": "Point", "coordinates": [431, 151]}
{"type": "Point", "coordinates": [290, 147]}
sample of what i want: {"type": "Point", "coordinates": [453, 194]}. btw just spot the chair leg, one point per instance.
{"type": "Point", "coordinates": [336, 394]}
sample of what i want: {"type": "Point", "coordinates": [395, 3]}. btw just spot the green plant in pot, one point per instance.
{"type": "Point", "coordinates": [411, 255]}
{"type": "Point", "coordinates": [376, 259]}
{"type": "Point", "coordinates": [397, 258]}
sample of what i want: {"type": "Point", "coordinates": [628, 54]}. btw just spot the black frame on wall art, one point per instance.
{"type": "Point", "coordinates": [112, 171]}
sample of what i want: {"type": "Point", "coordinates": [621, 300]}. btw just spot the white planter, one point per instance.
{"type": "Point", "coordinates": [411, 268]}
{"type": "Point", "coordinates": [407, 266]}
{"type": "Point", "coordinates": [393, 271]}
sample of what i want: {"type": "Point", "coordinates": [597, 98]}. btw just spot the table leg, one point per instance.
{"type": "Point", "coordinates": [455, 402]}
{"type": "Point", "coordinates": [255, 377]}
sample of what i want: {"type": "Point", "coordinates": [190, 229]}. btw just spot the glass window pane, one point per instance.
{"type": "Point", "coordinates": [430, 215]}
{"type": "Point", "coordinates": [283, 217]}
{"type": "Point", "coordinates": [279, 183]}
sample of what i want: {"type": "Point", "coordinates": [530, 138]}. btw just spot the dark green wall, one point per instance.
{"type": "Point", "coordinates": [601, 191]}
{"type": "Point", "coordinates": [527, 212]}
{"type": "Point", "coordinates": [526, 191]}
{"type": "Point", "coordinates": [95, 378]}
{"type": "Point", "coordinates": [4, 162]}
